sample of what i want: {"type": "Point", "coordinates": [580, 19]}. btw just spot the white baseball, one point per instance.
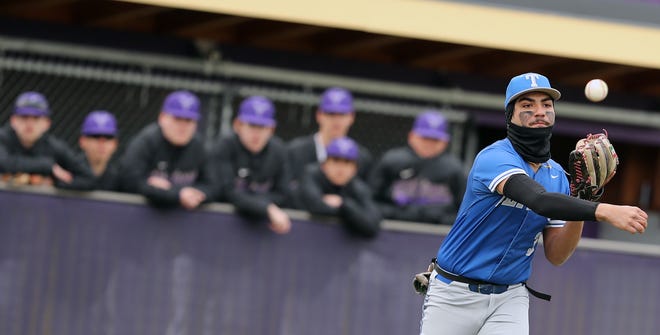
{"type": "Point", "coordinates": [596, 90]}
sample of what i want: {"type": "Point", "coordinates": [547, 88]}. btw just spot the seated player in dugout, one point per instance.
{"type": "Point", "coordinates": [335, 116]}
{"type": "Point", "coordinates": [98, 142]}
{"type": "Point", "coordinates": [251, 166]}
{"type": "Point", "coordinates": [166, 161]}
{"type": "Point", "coordinates": [30, 155]}
{"type": "Point", "coordinates": [422, 181]}
{"type": "Point", "coordinates": [333, 188]}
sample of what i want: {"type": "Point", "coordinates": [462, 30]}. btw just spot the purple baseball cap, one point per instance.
{"type": "Point", "coordinates": [182, 104]}
{"type": "Point", "coordinates": [336, 100]}
{"type": "Point", "coordinates": [431, 124]}
{"type": "Point", "coordinates": [344, 148]}
{"type": "Point", "coordinates": [32, 104]}
{"type": "Point", "coordinates": [99, 123]}
{"type": "Point", "coordinates": [257, 110]}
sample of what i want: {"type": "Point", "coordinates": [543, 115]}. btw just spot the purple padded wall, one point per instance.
{"type": "Point", "coordinates": [76, 266]}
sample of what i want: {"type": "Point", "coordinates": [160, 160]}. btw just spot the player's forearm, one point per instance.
{"type": "Point", "coordinates": [36, 165]}
{"type": "Point", "coordinates": [530, 193]}
{"type": "Point", "coordinates": [363, 219]}
{"type": "Point", "coordinates": [252, 204]}
{"type": "Point", "coordinates": [560, 243]}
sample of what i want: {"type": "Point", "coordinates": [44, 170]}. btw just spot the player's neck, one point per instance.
{"type": "Point", "coordinates": [325, 137]}
{"type": "Point", "coordinates": [535, 166]}
{"type": "Point", "coordinates": [98, 166]}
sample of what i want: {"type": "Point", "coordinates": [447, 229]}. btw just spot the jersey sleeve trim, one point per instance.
{"type": "Point", "coordinates": [555, 224]}
{"type": "Point", "coordinates": [504, 175]}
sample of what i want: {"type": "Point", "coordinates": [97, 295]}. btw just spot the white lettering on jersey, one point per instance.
{"type": "Point", "coordinates": [530, 251]}
{"type": "Point", "coordinates": [510, 203]}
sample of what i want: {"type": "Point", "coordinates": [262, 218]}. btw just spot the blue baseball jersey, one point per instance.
{"type": "Point", "coordinates": [494, 237]}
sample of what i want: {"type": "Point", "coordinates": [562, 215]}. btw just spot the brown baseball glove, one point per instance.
{"type": "Point", "coordinates": [591, 165]}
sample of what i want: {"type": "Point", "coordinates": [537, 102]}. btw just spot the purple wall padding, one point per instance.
{"type": "Point", "coordinates": [74, 266]}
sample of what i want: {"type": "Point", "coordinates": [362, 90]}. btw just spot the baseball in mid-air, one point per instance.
{"type": "Point", "coordinates": [596, 90]}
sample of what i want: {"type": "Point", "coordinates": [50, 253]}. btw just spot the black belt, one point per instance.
{"type": "Point", "coordinates": [483, 287]}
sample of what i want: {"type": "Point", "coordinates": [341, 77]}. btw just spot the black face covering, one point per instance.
{"type": "Point", "coordinates": [533, 144]}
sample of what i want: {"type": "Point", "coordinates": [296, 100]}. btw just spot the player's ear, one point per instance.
{"type": "Point", "coordinates": [352, 117]}
{"type": "Point", "coordinates": [236, 125]}
{"type": "Point", "coordinates": [12, 120]}
{"type": "Point", "coordinates": [161, 118]}
{"type": "Point", "coordinates": [508, 111]}
{"type": "Point", "coordinates": [411, 136]}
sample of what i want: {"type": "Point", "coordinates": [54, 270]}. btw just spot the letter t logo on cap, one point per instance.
{"type": "Point", "coordinates": [532, 77]}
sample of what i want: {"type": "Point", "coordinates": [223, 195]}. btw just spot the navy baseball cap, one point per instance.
{"type": "Point", "coordinates": [257, 110]}
{"type": "Point", "coordinates": [431, 124]}
{"type": "Point", "coordinates": [31, 104]}
{"type": "Point", "coordinates": [529, 82]}
{"type": "Point", "coordinates": [99, 123]}
{"type": "Point", "coordinates": [344, 148]}
{"type": "Point", "coordinates": [336, 100]}
{"type": "Point", "coordinates": [182, 104]}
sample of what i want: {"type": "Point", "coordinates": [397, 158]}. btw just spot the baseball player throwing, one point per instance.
{"type": "Point", "coordinates": [515, 194]}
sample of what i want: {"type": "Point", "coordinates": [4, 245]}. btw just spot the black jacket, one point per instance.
{"type": "Point", "coordinates": [40, 159]}
{"type": "Point", "coordinates": [250, 181]}
{"type": "Point", "coordinates": [302, 152]}
{"type": "Point", "coordinates": [109, 180]}
{"type": "Point", "coordinates": [410, 188]}
{"type": "Point", "coordinates": [358, 210]}
{"type": "Point", "coordinates": [150, 154]}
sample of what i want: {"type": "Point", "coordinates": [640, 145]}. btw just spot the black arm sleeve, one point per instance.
{"type": "Point", "coordinates": [525, 190]}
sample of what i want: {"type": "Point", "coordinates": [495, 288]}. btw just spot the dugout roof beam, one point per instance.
{"type": "Point", "coordinates": [482, 38]}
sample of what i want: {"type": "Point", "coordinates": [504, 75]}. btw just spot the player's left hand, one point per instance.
{"type": "Point", "coordinates": [280, 222]}
{"type": "Point", "coordinates": [61, 174]}
{"type": "Point", "coordinates": [333, 200]}
{"type": "Point", "coordinates": [159, 182]}
{"type": "Point", "coordinates": [190, 197]}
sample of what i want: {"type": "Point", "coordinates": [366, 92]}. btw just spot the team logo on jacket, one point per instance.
{"type": "Point", "coordinates": [407, 173]}
{"type": "Point", "coordinates": [243, 172]}
{"type": "Point", "coordinates": [420, 192]}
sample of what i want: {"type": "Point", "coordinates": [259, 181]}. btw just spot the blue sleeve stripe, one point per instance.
{"type": "Point", "coordinates": [504, 175]}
